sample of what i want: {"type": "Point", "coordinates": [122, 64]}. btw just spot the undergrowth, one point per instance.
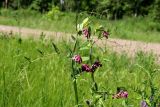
{"type": "Point", "coordinates": [36, 74]}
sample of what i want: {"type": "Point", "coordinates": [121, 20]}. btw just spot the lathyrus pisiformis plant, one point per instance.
{"type": "Point", "coordinates": [148, 91]}
{"type": "Point", "coordinates": [89, 63]}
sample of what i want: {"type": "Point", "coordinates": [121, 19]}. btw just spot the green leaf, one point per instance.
{"type": "Point", "coordinates": [27, 58]}
{"type": "Point", "coordinates": [55, 48]}
{"type": "Point", "coordinates": [148, 102]}
{"type": "Point", "coordinates": [85, 22]}
{"type": "Point", "coordinates": [84, 48]}
{"type": "Point", "coordinates": [124, 103]}
{"type": "Point", "coordinates": [41, 52]}
{"type": "Point", "coordinates": [85, 58]}
{"type": "Point", "coordinates": [139, 97]}
{"type": "Point", "coordinates": [99, 28]}
{"type": "Point", "coordinates": [80, 27]}
{"type": "Point", "coordinates": [89, 45]}
{"type": "Point", "coordinates": [73, 37]}
{"type": "Point", "coordinates": [105, 59]}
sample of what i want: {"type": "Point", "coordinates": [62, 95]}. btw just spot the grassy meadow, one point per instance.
{"type": "Point", "coordinates": [133, 28]}
{"type": "Point", "coordinates": [33, 75]}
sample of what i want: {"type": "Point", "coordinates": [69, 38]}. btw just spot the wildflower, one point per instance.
{"type": "Point", "coordinates": [144, 103]}
{"type": "Point", "coordinates": [124, 94]}
{"type": "Point", "coordinates": [96, 65]}
{"type": "Point", "coordinates": [86, 33]}
{"type": "Point", "coordinates": [121, 94]}
{"type": "Point", "coordinates": [86, 68]}
{"type": "Point", "coordinates": [77, 58]}
{"type": "Point", "coordinates": [105, 34]}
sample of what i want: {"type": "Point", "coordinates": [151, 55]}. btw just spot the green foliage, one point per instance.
{"type": "Point", "coordinates": [156, 11]}
{"type": "Point", "coordinates": [70, 5]}
{"type": "Point", "coordinates": [54, 13]}
{"type": "Point", "coordinates": [135, 28]}
{"type": "Point", "coordinates": [29, 78]}
{"type": "Point", "coordinates": [40, 5]}
{"type": "Point", "coordinates": [112, 9]}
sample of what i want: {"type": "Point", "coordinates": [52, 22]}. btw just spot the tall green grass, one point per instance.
{"type": "Point", "coordinates": [140, 28]}
{"type": "Point", "coordinates": [33, 75]}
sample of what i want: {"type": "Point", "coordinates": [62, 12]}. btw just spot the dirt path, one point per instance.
{"type": "Point", "coordinates": [118, 45]}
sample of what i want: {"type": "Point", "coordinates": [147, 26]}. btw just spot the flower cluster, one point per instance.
{"type": "Point", "coordinates": [86, 33]}
{"type": "Point", "coordinates": [120, 94]}
{"type": "Point", "coordinates": [84, 29]}
{"type": "Point", "coordinates": [86, 67]}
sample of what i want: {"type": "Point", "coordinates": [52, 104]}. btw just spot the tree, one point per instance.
{"type": "Point", "coordinates": [113, 9]}
{"type": "Point", "coordinates": [156, 11]}
{"type": "Point", "coordinates": [41, 5]}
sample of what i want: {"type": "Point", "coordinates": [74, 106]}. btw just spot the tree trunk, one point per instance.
{"type": "Point", "coordinates": [6, 4]}
{"type": "Point", "coordinates": [62, 4]}
{"type": "Point", "coordinates": [136, 13]}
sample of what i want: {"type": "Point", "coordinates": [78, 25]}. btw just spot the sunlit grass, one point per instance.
{"type": "Point", "coordinates": [33, 75]}
{"type": "Point", "coordinates": [140, 28]}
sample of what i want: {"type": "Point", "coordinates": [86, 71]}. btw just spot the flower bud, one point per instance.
{"type": "Point", "coordinates": [95, 65]}
{"type": "Point", "coordinates": [105, 34]}
{"type": "Point", "coordinates": [86, 33]}
{"type": "Point", "coordinates": [144, 103]}
{"type": "Point", "coordinates": [77, 58]}
{"type": "Point", "coordinates": [120, 94]}
{"type": "Point", "coordinates": [86, 68]}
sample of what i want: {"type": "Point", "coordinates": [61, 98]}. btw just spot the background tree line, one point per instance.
{"type": "Point", "coordinates": [112, 9]}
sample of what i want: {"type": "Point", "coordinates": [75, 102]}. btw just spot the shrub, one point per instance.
{"type": "Point", "coordinates": [54, 13]}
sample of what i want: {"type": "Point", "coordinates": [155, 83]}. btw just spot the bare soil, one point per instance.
{"type": "Point", "coordinates": [118, 45]}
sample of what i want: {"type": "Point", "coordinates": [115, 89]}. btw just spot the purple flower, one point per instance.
{"type": "Point", "coordinates": [144, 103]}
{"type": "Point", "coordinates": [86, 33]}
{"type": "Point", "coordinates": [86, 68]}
{"type": "Point", "coordinates": [96, 65]}
{"type": "Point", "coordinates": [77, 58]}
{"type": "Point", "coordinates": [120, 94]}
{"type": "Point", "coordinates": [124, 94]}
{"type": "Point", "coordinates": [105, 34]}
